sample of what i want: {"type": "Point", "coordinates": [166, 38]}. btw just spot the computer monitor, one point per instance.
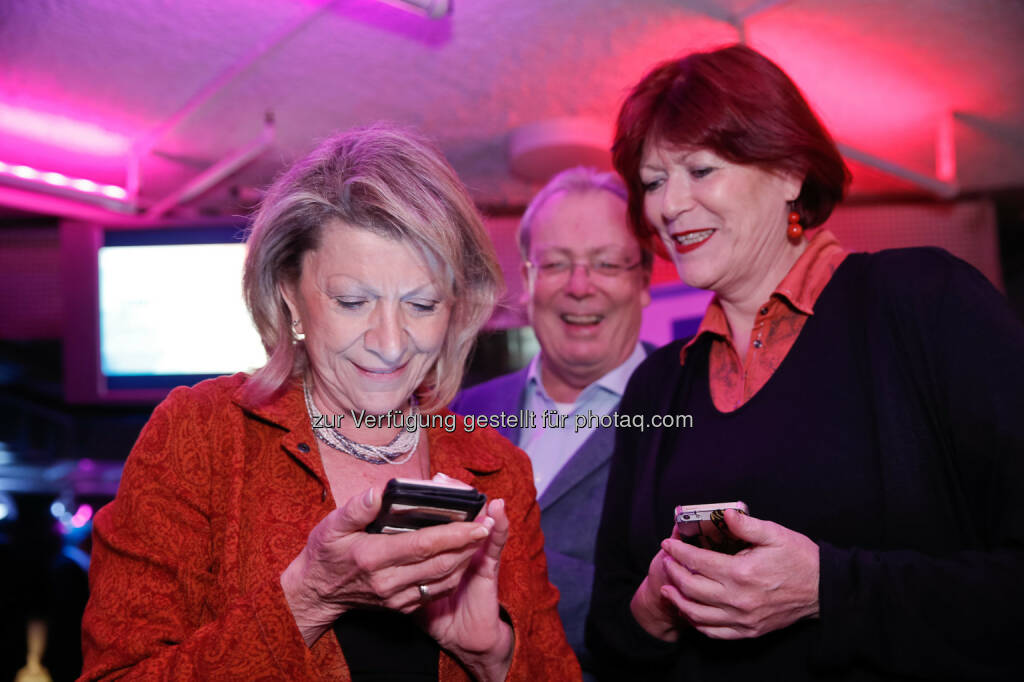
{"type": "Point", "coordinates": [151, 308]}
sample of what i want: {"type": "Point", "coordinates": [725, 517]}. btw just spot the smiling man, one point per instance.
{"type": "Point", "coordinates": [587, 282]}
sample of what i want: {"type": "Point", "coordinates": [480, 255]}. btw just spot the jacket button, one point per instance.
{"type": "Point", "coordinates": [303, 447]}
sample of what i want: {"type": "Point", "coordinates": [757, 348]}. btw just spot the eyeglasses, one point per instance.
{"type": "Point", "coordinates": [559, 269]}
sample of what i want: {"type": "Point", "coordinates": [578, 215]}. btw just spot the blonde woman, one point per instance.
{"type": "Point", "coordinates": [236, 545]}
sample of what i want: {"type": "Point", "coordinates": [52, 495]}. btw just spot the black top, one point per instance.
{"type": "Point", "coordinates": [891, 435]}
{"type": "Point", "coordinates": [386, 646]}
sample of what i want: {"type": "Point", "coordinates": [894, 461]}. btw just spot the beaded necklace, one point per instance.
{"type": "Point", "coordinates": [398, 451]}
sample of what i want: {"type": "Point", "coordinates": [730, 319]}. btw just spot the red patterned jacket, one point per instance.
{"type": "Point", "coordinates": [216, 500]}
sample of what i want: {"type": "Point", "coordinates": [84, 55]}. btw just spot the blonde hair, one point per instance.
{"type": "Point", "coordinates": [393, 183]}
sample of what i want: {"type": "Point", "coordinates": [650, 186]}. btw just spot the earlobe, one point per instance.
{"type": "Point", "coordinates": [289, 295]}
{"type": "Point", "coordinates": [645, 296]}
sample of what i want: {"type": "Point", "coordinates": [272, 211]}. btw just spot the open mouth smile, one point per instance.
{"type": "Point", "coordinates": [581, 320]}
{"type": "Point", "coordinates": [690, 240]}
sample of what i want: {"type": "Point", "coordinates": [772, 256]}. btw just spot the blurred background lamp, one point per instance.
{"type": "Point", "coordinates": [8, 510]}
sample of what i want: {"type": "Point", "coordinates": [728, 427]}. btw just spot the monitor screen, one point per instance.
{"type": "Point", "coordinates": [172, 310]}
{"type": "Point", "coordinates": [167, 310]}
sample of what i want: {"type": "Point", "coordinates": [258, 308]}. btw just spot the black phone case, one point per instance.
{"type": "Point", "coordinates": [409, 506]}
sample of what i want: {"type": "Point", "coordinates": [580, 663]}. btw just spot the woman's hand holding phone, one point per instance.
{"type": "Point", "coordinates": [342, 566]}
{"type": "Point", "coordinates": [767, 586]}
{"type": "Point", "coordinates": [467, 620]}
{"type": "Point", "coordinates": [701, 525]}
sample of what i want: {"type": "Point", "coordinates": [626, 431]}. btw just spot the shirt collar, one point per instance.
{"type": "Point", "coordinates": [614, 381]}
{"type": "Point", "coordinates": [812, 271]}
{"type": "Point", "coordinates": [800, 287]}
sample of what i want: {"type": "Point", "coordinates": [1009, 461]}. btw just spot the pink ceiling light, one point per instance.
{"type": "Point", "coordinates": [61, 131]}
{"type": "Point", "coordinates": [68, 134]}
{"type": "Point", "coordinates": [111, 196]}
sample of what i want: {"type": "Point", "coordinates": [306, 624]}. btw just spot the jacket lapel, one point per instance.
{"type": "Point", "coordinates": [287, 411]}
{"type": "Point", "coordinates": [502, 395]}
{"type": "Point", "coordinates": [457, 456]}
{"type": "Point", "coordinates": [594, 452]}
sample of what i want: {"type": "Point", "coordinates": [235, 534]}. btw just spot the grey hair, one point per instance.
{"type": "Point", "coordinates": [577, 180]}
{"type": "Point", "coordinates": [396, 184]}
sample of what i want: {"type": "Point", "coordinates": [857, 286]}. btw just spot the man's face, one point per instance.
{"type": "Point", "coordinates": [586, 287]}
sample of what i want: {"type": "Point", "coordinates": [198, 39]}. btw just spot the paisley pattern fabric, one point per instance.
{"type": "Point", "coordinates": [218, 497]}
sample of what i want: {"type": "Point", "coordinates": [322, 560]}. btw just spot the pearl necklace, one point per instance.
{"type": "Point", "coordinates": [398, 451]}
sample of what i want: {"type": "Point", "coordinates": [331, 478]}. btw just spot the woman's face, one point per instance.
{"type": "Point", "coordinates": [374, 319]}
{"type": "Point", "coordinates": [724, 224]}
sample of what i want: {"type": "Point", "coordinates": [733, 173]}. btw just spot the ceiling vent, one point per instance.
{"type": "Point", "coordinates": [539, 150]}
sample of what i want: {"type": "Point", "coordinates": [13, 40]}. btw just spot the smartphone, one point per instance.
{"type": "Point", "coordinates": [703, 525]}
{"type": "Point", "coordinates": [409, 504]}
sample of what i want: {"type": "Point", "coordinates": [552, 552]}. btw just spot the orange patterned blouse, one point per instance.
{"type": "Point", "coordinates": [778, 323]}
{"type": "Point", "coordinates": [216, 500]}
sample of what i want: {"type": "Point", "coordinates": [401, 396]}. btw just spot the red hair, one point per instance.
{"type": "Point", "coordinates": [740, 105]}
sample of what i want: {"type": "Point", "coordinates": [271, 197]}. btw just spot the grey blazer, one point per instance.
{"type": "Point", "coordinates": [570, 506]}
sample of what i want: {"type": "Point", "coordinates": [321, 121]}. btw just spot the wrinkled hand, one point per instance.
{"type": "Point", "coordinates": [766, 587]}
{"type": "Point", "coordinates": [342, 566]}
{"type": "Point", "coordinates": [467, 621]}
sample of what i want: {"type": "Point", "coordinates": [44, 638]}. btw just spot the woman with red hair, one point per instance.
{"type": "Point", "coordinates": [845, 398]}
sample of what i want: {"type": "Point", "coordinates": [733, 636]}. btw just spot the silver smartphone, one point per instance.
{"type": "Point", "coordinates": [703, 525]}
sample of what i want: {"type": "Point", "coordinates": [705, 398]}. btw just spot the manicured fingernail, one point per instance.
{"type": "Point", "coordinates": [368, 497]}
{"type": "Point", "coordinates": [489, 522]}
{"type": "Point", "coordinates": [480, 532]}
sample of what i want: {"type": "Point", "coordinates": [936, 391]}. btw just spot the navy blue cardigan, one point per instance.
{"type": "Point", "coordinates": [892, 435]}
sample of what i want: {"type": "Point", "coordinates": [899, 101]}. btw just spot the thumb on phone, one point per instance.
{"type": "Point", "coordinates": [357, 513]}
{"type": "Point", "coordinates": [747, 528]}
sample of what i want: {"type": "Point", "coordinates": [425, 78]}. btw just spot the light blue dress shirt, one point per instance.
{"type": "Point", "coordinates": [554, 440]}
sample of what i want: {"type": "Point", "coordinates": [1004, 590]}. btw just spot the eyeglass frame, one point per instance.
{"type": "Point", "coordinates": [589, 266]}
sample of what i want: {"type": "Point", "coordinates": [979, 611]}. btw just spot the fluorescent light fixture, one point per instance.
{"type": "Point", "coordinates": [435, 9]}
{"type": "Point", "coordinates": [51, 182]}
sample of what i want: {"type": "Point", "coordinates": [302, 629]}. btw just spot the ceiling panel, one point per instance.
{"type": "Point", "coordinates": [881, 74]}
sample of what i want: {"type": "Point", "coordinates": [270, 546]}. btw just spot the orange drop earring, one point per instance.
{"type": "Point", "coordinates": [795, 230]}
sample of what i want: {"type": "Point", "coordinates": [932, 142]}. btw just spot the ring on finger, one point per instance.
{"type": "Point", "coordinates": [424, 592]}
